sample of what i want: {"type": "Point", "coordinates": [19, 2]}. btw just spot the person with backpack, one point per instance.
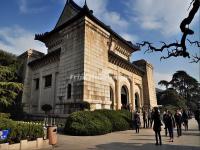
{"type": "Point", "coordinates": [137, 122]}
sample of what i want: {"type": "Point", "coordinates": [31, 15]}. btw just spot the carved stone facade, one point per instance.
{"type": "Point", "coordinates": [86, 61]}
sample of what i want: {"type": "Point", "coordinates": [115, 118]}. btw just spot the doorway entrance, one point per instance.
{"type": "Point", "coordinates": [124, 97]}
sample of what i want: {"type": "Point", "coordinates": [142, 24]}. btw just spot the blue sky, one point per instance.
{"type": "Point", "coordinates": [135, 20]}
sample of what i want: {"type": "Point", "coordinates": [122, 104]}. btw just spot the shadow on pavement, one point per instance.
{"type": "Point", "coordinates": [191, 134]}
{"type": "Point", "coordinates": [139, 146]}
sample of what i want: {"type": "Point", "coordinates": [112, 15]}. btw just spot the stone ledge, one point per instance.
{"type": "Point", "coordinates": [24, 145]}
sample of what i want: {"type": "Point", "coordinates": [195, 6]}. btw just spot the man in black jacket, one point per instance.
{"type": "Point", "coordinates": [178, 120]}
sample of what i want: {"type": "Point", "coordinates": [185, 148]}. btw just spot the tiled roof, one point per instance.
{"type": "Point", "coordinates": [85, 12]}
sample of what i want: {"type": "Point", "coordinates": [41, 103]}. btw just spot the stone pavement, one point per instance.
{"type": "Point", "coordinates": [129, 140]}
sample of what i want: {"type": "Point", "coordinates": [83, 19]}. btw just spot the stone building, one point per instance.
{"type": "Point", "coordinates": [86, 61]}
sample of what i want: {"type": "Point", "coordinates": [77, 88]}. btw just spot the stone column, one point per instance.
{"type": "Point", "coordinates": [141, 96]}
{"type": "Point", "coordinates": [117, 94]}
{"type": "Point", "coordinates": [41, 86]}
{"type": "Point", "coordinates": [131, 97]}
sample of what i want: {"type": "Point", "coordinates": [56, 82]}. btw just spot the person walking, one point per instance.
{"type": "Point", "coordinates": [164, 121]}
{"type": "Point", "coordinates": [137, 122]}
{"type": "Point", "coordinates": [170, 125]}
{"type": "Point", "coordinates": [152, 112]}
{"type": "Point", "coordinates": [178, 120]}
{"type": "Point", "coordinates": [157, 126]}
{"type": "Point", "coordinates": [144, 113]}
{"type": "Point", "coordinates": [149, 119]}
{"type": "Point", "coordinates": [185, 119]}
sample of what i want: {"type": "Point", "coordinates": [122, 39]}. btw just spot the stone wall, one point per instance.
{"type": "Point", "coordinates": [71, 66]}
{"type": "Point", "coordinates": [102, 74]}
{"type": "Point", "coordinates": [26, 58]}
{"type": "Point", "coordinates": [43, 95]}
{"type": "Point", "coordinates": [84, 64]}
{"type": "Point", "coordinates": [96, 89]}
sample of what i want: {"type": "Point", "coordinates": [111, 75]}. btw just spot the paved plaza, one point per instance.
{"type": "Point", "coordinates": [129, 140]}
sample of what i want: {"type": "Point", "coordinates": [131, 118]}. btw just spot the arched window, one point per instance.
{"type": "Point", "coordinates": [69, 91]}
{"type": "Point", "coordinates": [137, 105]}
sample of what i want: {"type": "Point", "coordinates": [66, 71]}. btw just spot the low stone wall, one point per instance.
{"type": "Point", "coordinates": [24, 145]}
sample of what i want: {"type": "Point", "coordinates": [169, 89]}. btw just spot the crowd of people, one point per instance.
{"type": "Point", "coordinates": [153, 118]}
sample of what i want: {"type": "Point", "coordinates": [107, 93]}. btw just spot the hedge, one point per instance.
{"type": "Point", "coordinates": [20, 130]}
{"type": "Point", "coordinates": [86, 123]}
{"type": "Point", "coordinates": [4, 115]}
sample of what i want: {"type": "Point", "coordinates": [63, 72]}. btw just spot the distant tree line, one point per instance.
{"type": "Point", "coordinates": [182, 91]}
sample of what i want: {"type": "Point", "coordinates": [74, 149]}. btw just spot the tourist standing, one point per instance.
{"type": "Point", "coordinates": [149, 118]}
{"type": "Point", "coordinates": [152, 112]}
{"type": "Point", "coordinates": [185, 120]}
{"type": "Point", "coordinates": [170, 125]}
{"type": "Point", "coordinates": [178, 120]}
{"type": "Point", "coordinates": [164, 121]}
{"type": "Point", "coordinates": [144, 114]}
{"type": "Point", "coordinates": [137, 122]}
{"type": "Point", "coordinates": [157, 126]}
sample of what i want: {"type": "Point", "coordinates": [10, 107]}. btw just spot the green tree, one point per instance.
{"type": "Point", "coordinates": [164, 83]}
{"type": "Point", "coordinates": [171, 97]}
{"type": "Point", "coordinates": [10, 85]}
{"type": "Point", "coordinates": [184, 87]}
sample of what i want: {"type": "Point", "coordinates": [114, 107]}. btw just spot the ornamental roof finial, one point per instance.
{"type": "Point", "coordinates": [85, 2]}
{"type": "Point", "coordinates": [85, 7]}
{"type": "Point", "coordinates": [68, 1]}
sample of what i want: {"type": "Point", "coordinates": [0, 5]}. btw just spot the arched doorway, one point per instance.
{"type": "Point", "coordinates": [111, 98]}
{"type": "Point", "coordinates": [137, 104]}
{"type": "Point", "coordinates": [124, 96]}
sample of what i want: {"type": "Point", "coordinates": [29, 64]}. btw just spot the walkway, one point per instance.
{"type": "Point", "coordinates": [129, 140]}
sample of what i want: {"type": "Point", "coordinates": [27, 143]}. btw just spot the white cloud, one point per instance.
{"type": "Point", "coordinates": [27, 6]}
{"type": "Point", "coordinates": [161, 76]}
{"type": "Point", "coordinates": [111, 18]}
{"type": "Point", "coordinates": [17, 40]}
{"type": "Point", "coordinates": [163, 15]}
{"type": "Point", "coordinates": [130, 37]}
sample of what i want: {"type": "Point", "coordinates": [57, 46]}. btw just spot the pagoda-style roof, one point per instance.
{"type": "Point", "coordinates": [71, 13]}
{"type": "Point", "coordinates": [70, 10]}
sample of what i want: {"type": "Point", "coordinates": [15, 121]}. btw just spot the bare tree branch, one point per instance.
{"type": "Point", "coordinates": [195, 59]}
{"type": "Point", "coordinates": [196, 43]}
{"type": "Point", "coordinates": [177, 49]}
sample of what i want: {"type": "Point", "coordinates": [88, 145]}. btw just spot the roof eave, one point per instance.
{"type": "Point", "coordinates": [86, 12]}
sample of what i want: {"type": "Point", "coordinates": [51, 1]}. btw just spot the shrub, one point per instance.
{"type": "Point", "coordinates": [21, 130]}
{"type": "Point", "coordinates": [97, 122]}
{"type": "Point", "coordinates": [87, 123]}
{"type": "Point", "coordinates": [46, 108]}
{"type": "Point", "coordinates": [4, 115]}
{"type": "Point", "coordinates": [119, 119]}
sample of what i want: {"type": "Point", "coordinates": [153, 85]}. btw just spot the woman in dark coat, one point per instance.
{"type": "Point", "coordinates": [185, 119]}
{"type": "Point", "coordinates": [137, 122]}
{"type": "Point", "coordinates": [170, 125]}
{"type": "Point", "coordinates": [157, 126]}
